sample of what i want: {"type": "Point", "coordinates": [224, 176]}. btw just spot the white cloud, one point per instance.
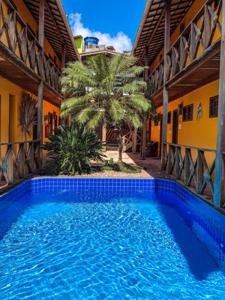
{"type": "Point", "coordinates": [121, 41]}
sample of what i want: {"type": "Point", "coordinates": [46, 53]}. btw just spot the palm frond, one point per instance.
{"type": "Point", "coordinates": [95, 119]}
{"type": "Point", "coordinates": [140, 103]}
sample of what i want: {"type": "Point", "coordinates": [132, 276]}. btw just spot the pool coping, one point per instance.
{"type": "Point", "coordinates": [189, 190]}
{"type": "Point", "coordinates": [200, 197]}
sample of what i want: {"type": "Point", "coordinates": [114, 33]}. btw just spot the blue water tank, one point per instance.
{"type": "Point", "coordinates": [91, 41]}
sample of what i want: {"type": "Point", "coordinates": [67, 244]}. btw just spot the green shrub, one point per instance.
{"type": "Point", "coordinates": [71, 149]}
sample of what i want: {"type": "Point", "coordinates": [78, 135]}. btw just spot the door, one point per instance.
{"type": "Point", "coordinates": [175, 127]}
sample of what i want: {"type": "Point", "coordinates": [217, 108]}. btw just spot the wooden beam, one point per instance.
{"type": "Point", "coordinates": [165, 88]}
{"type": "Point", "coordinates": [144, 129]}
{"type": "Point", "coordinates": [104, 135]}
{"type": "Point", "coordinates": [134, 140]}
{"type": "Point", "coordinates": [144, 138]}
{"type": "Point", "coordinates": [218, 184]}
{"type": "Point", "coordinates": [41, 38]}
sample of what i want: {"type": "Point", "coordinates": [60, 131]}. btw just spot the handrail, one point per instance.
{"type": "Point", "coordinates": [185, 50]}
{"type": "Point", "coordinates": [191, 147]}
{"type": "Point", "coordinates": [18, 143]}
{"type": "Point", "coordinates": [19, 162]}
{"type": "Point", "coordinates": [191, 166]}
{"type": "Point", "coordinates": [24, 44]}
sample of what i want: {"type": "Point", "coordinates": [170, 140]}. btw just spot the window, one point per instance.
{"type": "Point", "coordinates": [169, 118]}
{"type": "Point", "coordinates": [213, 107]}
{"type": "Point", "coordinates": [188, 113]}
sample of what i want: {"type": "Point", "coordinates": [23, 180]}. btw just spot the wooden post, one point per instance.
{"type": "Point", "coordinates": [218, 184]}
{"type": "Point", "coordinates": [144, 136]}
{"type": "Point", "coordinates": [144, 130]}
{"type": "Point", "coordinates": [104, 135]}
{"type": "Point", "coordinates": [200, 171]}
{"type": "Point", "coordinates": [41, 38]}
{"type": "Point", "coordinates": [165, 89]}
{"type": "Point", "coordinates": [134, 140]}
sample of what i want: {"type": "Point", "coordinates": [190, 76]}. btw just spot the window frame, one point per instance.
{"type": "Point", "coordinates": [213, 113]}
{"type": "Point", "coordinates": [188, 116]}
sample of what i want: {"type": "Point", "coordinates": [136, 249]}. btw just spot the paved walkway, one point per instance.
{"type": "Point", "coordinates": [151, 167]}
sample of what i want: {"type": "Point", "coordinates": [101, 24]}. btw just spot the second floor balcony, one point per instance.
{"type": "Point", "coordinates": [193, 60]}
{"type": "Point", "coordinates": [22, 59]}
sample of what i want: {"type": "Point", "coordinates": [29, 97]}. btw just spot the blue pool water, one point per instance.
{"type": "Point", "coordinates": [109, 239]}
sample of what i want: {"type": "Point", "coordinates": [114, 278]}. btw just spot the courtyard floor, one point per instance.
{"type": "Point", "coordinates": [150, 166]}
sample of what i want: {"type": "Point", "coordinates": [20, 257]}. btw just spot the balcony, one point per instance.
{"type": "Point", "coordinates": [18, 161]}
{"type": "Point", "coordinates": [22, 59]}
{"type": "Point", "coordinates": [193, 60]}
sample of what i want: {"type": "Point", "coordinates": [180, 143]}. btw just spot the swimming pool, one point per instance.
{"type": "Point", "coordinates": [109, 239]}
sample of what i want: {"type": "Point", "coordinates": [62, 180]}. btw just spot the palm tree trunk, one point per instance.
{"type": "Point", "coordinates": [120, 140]}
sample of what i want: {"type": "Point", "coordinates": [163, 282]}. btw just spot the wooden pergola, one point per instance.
{"type": "Point", "coordinates": [182, 70]}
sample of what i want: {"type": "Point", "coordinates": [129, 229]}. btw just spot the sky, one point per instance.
{"type": "Point", "coordinates": [114, 22]}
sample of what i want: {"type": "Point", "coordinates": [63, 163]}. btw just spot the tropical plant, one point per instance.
{"type": "Point", "coordinates": [27, 114]}
{"type": "Point", "coordinates": [71, 149]}
{"type": "Point", "coordinates": [106, 91]}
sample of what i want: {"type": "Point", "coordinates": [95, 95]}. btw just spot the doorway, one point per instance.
{"type": "Point", "coordinates": [175, 127]}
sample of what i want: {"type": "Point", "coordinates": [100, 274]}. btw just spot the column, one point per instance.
{"type": "Point", "coordinates": [218, 183]}
{"type": "Point", "coordinates": [104, 135]}
{"type": "Point", "coordinates": [165, 89]}
{"type": "Point", "coordinates": [144, 131]}
{"type": "Point", "coordinates": [41, 38]}
{"type": "Point", "coordinates": [134, 140]}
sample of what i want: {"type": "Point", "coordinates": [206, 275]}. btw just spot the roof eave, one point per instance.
{"type": "Point", "coordinates": [146, 10]}
{"type": "Point", "coordinates": [62, 12]}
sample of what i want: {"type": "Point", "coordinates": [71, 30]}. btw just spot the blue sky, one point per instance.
{"type": "Point", "coordinates": [113, 22]}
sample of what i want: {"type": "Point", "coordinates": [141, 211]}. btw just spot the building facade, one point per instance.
{"type": "Point", "coordinates": [179, 42]}
{"type": "Point", "coordinates": [35, 44]}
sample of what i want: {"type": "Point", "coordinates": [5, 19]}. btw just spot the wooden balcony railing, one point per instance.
{"type": "Point", "coordinates": [194, 167]}
{"type": "Point", "coordinates": [18, 160]}
{"type": "Point", "coordinates": [16, 35]}
{"type": "Point", "coordinates": [198, 38]}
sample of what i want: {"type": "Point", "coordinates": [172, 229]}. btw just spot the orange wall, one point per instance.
{"type": "Point", "coordinates": [8, 88]}
{"type": "Point", "coordinates": [199, 132]}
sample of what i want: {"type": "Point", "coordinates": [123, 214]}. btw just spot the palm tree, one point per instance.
{"type": "Point", "coordinates": [105, 91]}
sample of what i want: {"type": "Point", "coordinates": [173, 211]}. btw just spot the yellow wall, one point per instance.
{"type": "Point", "coordinates": [199, 132]}
{"type": "Point", "coordinates": [7, 88]}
